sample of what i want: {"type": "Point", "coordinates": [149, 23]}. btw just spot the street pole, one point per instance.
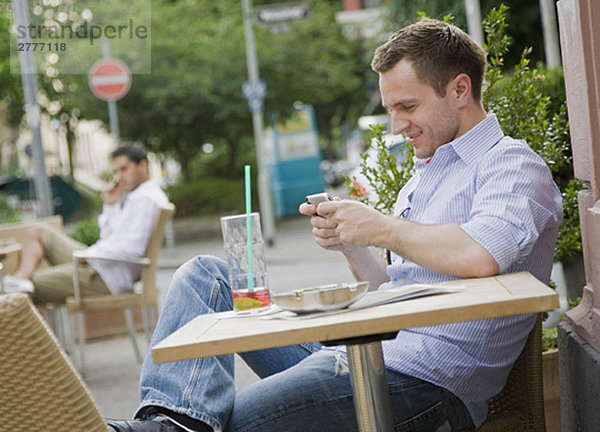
{"type": "Point", "coordinates": [43, 190]}
{"type": "Point", "coordinates": [473, 9]}
{"type": "Point", "coordinates": [112, 104]}
{"type": "Point", "coordinates": [264, 191]}
{"type": "Point", "coordinates": [548, 12]}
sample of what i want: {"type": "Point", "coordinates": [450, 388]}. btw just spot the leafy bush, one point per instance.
{"type": "Point", "coordinates": [386, 177]}
{"type": "Point", "coordinates": [208, 196]}
{"type": "Point", "coordinates": [524, 111]}
{"type": "Point", "coordinates": [549, 338]}
{"type": "Point", "coordinates": [90, 205]}
{"type": "Point", "coordinates": [86, 232]}
{"type": "Point", "coordinates": [8, 214]}
{"type": "Point", "coordinates": [550, 335]}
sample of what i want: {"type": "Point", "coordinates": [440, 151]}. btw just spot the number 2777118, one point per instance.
{"type": "Point", "coordinates": [42, 46]}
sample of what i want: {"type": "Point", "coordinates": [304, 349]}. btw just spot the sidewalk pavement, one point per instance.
{"type": "Point", "coordinates": [295, 261]}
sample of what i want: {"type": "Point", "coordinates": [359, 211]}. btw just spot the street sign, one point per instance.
{"type": "Point", "coordinates": [277, 14]}
{"type": "Point", "coordinates": [255, 93]}
{"type": "Point", "coordinates": [256, 90]}
{"type": "Point", "coordinates": [109, 79]}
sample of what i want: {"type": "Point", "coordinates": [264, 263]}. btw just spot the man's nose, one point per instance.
{"type": "Point", "coordinates": [399, 123]}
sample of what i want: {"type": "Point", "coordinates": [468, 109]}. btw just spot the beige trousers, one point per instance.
{"type": "Point", "coordinates": [55, 283]}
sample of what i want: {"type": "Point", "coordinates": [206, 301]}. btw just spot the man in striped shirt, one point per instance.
{"type": "Point", "coordinates": [479, 204]}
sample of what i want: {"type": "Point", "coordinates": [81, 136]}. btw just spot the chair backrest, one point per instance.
{"type": "Point", "coordinates": [520, 405]}
{"type": "Point", "coordinates": [39, 388]}
{"type": "Point", "coordinates": [154, 243]}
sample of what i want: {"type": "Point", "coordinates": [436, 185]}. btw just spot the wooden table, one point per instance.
{"type": "Point", "coordinates": [214, 334]}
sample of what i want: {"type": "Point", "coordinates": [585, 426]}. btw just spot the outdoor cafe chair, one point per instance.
{"type": "Point", "coordinates": [40, 390]}
{"type": "Point", "coordinates": [520, 405]}
{"type": "Point", "coordinates": [144, 295]}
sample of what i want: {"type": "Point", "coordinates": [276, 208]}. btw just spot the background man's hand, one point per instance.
{"type": "Point", "coordinates": [111, 195]}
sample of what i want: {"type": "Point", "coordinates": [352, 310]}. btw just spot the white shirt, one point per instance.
{"type": "Point", "coordinates": [124, 233]}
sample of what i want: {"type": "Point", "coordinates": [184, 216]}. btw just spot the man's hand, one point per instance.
{"type": "Point", "coordinates": [323, 231]}
{"type": "Point", "coordinates": [111, 195]}
{"type": "Point", "coordinates": [355, 223]}
{"type": "Point", "coordinates": [340, 225]}
{"type": "Point", "coordinates": [333, 231]}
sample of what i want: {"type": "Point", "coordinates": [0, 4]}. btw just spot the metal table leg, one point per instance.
{"type": "Point", "coordinates": [369, 384]}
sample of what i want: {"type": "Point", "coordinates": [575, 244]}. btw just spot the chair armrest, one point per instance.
{"type": "Point", "coordinates": [82, 254]}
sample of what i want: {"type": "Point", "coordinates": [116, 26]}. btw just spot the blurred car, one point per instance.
{"type": "Point", "coordinates": [333, 172]}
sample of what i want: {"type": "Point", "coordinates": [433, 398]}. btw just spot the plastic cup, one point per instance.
{"type": "Point", "coordinates": [235, 241]}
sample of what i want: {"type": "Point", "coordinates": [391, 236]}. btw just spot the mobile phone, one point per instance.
{"type": "Point", "coordinates": [317, 199]}
{"type": "Point", "coordinates": [113, 183]}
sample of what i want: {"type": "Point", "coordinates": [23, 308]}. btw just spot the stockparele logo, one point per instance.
{"type": "Point", "coordinates": [91, 32]}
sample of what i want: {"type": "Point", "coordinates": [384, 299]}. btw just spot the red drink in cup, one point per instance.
{"type": "Point", "coordinates": [246, 262]}
{"type": "Point", "coordinates": [257, 298]}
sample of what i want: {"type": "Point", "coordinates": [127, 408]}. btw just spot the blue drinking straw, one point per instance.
{"type": "Point", "coordinates": [250, 275]}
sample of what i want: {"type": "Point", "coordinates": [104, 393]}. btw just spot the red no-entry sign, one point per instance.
{"type": "Point", "coordinates": [109, 79]}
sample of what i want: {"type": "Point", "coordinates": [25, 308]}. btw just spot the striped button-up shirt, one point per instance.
{"type": "Point", "coordinates": [502, 195]}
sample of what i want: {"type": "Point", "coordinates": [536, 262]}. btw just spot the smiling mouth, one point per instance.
{"type": "Point", "coordinates": [414, 136]}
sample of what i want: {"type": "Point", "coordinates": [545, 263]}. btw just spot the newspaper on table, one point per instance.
{"type": "Point", "coordinates": [372, 298]}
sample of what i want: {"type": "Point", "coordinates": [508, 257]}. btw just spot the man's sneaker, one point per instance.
{"type": "Point", "coordinates": [11, 284]}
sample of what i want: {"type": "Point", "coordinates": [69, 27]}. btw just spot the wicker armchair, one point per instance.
{"type": "Point", "coordinates": [520, 405]}
{"type": "Point", "coordinates": [39, 388]}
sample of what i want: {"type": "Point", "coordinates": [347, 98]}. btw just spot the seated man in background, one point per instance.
{"type": "Point", "coordinates": [130, 208]}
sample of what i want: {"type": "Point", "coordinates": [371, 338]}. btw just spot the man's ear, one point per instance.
{"type": "Point", "coordinates": [144, 164]}
{"type": "Point", "coordinates": [461, 89]}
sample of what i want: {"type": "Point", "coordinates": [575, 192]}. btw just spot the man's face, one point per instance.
{"type": "Point", "coordinates": [427, 119]}
{"type": "Point", "coordinates": [130, 174]}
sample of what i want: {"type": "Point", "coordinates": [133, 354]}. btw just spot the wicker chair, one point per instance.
{"type": "Point", "coordinates": [39, 388]}
{"type": "Point", "coordinates": [146, 298]}
{"type": "Point", "coordinates": [520, 405]}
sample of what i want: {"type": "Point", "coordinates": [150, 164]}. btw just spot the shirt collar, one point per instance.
{"type": "Point", "coordinates": [138, 189]}
{"type": "Point", "coordinates": [477, 140]}
{"type": "Point", "coordinates": [420, 164]}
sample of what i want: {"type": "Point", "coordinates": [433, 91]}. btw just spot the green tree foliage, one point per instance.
{"type": "Point", "coordinates": [525, 17]}
{"type": "Point", "coordinates": [7, 212]}
{"type": "Point", "coordinates": [208, 197]}
{"type": "Point", "coordinates": [549, 339]}
{"type": "Point", "coordinates": [11, 94]}
{"type": "Point", "coordinates": [193, 94]}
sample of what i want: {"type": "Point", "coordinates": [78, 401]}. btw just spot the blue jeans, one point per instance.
{"type": "Point", "coordinates": [303, 388]}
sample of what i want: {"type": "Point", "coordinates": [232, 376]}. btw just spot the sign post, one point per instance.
{"type": "Point", "coordinates": [255, 91]}
{"type": "Point", "coordinates": [110, 80]}
{"type": "Point", "coordinates": [43, 189]}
